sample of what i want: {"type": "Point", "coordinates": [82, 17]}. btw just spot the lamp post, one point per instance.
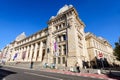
{"type": "Point", "coordinates": [102, 63]}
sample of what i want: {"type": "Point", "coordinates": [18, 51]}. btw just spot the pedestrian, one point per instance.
{"type": "Point", "coordinates": [77, 67]}
{"type": "Point", "coordinates": [31, 64]}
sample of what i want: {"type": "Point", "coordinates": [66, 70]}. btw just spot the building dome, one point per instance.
{"type": "Point", "coordinates": [21, 36]}
{"type": "Point", "coordinates": [52, 17]}
{"type": "Point", "coordinates": [64, 8]}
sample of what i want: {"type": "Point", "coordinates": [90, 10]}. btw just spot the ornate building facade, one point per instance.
{"type": "Point", "coordinates": [99, 50]}
{"type": "Point", "coordinates": [62, 43]}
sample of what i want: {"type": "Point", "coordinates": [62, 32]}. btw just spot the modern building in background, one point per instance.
{"type": "Point", "coordinates": [63, 43]}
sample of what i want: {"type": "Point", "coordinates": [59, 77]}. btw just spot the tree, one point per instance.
{"type": "Point", "coordinates": [117, 50]}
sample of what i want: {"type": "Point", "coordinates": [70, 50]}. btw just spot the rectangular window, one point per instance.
{"type": "Point", "coordinates": [37, 55]}
{"type": "Point", "coordinates": [59, 50]}
{"type": "Point", "coordinates": [64, 49]}
{"type": "Point", "coordinates": [59, 37]}
{"type": "Point", "coordinates": [56, 27]}
{"type": "Point", "coordinates": [58, 60]}
{"type": "Point", "coordinates": [32, 55]}
{"type": "Point", "coordinates": [60, 26]}
{"type": "Point", "coordinates": [63, 24]}
{"type": "Point", "coordinates": [64, 37]}
{"type": "Point", "coordinates": [54, 60]}
{"type": "Point", "coordinates": [38, 45]}
{"type": "Point", "coordinates": [63, 60]}
{"type": "Point", "coordinates": [56, 39]}
{"type": "Point", "coordinates": [44, 43]}
{"type": "Point", "coordinates": [28, 54]}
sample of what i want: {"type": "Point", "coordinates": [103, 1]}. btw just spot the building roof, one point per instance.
{"type": "Point", "coordinates": [100, 39]}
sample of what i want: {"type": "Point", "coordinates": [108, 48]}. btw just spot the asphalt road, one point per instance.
{"type": "Point", "coordinates": [10, 73]}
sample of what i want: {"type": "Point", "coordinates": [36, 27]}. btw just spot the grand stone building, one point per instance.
{"type": "Point", "coordinates": [62, 43]}
{"type": "Point", "coordinates": [99, 50]}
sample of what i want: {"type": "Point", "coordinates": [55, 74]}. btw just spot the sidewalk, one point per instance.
{"type": "Point", "coordinates": [100, 76]}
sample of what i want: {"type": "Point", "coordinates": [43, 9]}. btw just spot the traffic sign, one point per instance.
{"type": "Point", "coordinates": [100, 55]}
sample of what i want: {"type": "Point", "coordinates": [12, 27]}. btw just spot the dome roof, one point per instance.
{"type": "Point", "coordinates": [61, 10]}
{"type": "Point", "coordinates": [21, 36]}
{"type": "Point", "coordinates": [52, 17]}
{"type": "Point", "coordinates": [64, 8]}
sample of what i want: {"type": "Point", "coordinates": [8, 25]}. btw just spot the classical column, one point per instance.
{"type": "Point", "coordinates": [27, 52]}
{"type": "Point", "coordinates": [18, 55]}
{"type": "Point", "coordinates": [62, 25]}
{"type": "Point", "coordinates": [35, 52]}
{"type": "Point", "coordinates": [31, 52]}
{"type": "Point", "coordinates": [40, 51]}
{"type": "Point", "coordinates": [61, 37]}
{"type": "Point", "coordinates": [24, 53]}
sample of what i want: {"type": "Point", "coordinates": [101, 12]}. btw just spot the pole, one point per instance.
{"type": "Point", "coordinates": [102, 63]}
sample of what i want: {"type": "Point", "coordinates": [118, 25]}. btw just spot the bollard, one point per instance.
{"type": "Point", "coordinates": [110, 71]}
{"type": "Point", "coordinates": [87, 71]}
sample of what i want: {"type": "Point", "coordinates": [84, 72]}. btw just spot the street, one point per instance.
{"type": "Point", "coordinates": [10, 73]}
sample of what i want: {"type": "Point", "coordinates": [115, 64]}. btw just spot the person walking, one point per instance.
{"type": "Point", "coordinates": [31, 64]}
{"type": "Point", "coordinates": [77, 67]}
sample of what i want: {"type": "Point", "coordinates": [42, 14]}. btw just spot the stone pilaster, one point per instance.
{"type": "Point", "coordinates": [27, 52]}
{"type": "Point", "coordinates": [31, 52]}
{"type": "Point", "coordinates": [40, 51]}
{"type": "Point", "coordinates": [35, 52]}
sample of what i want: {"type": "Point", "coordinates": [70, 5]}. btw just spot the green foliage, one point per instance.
{"type": "Point", "coordinates": [117, 50]}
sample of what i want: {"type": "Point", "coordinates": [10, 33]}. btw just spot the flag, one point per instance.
{"type": "Point", "coordinates": [56, 51]}
{"type": "Point", "coordinates": [55, 46]}
{"type": "Point", "coordinates": [15, 56]}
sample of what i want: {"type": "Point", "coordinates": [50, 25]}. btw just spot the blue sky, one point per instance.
{"type": "Point", "coordinates": [101, 17]}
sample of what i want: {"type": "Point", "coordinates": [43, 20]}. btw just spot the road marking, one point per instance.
{"type": "Point", "coordinates": [43, 76]}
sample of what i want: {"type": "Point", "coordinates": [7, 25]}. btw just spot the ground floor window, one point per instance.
{"type": "Point", "coordinates": [64, 49]}
{"type": "Point", "coordinates": [43, 54]}
{"type": "Point", "coordinates": [54, 60]}
{"type": "Point", "coordinates": [63, 60]}
{"type": "Point", "coordinates": [58, 60]}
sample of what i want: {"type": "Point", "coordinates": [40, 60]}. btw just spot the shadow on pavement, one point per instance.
{"type": "Point", "coordinates": [114, 75]}
{"type": "Point", "coordinates": [0, 66]}
{"type": "Point", "coordinates": [4, 73]}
